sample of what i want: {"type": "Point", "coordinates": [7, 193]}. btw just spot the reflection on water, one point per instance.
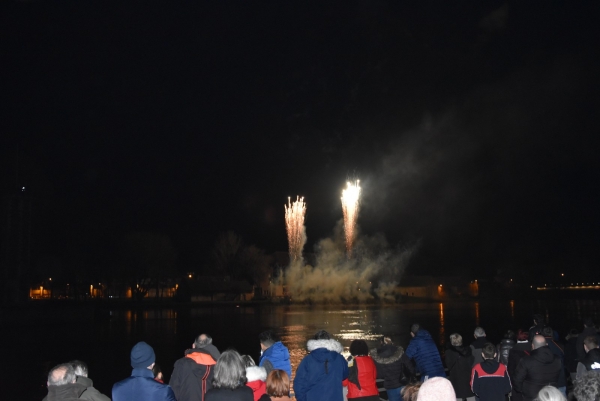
{"type": "Point", "coordinates": [442, 339]}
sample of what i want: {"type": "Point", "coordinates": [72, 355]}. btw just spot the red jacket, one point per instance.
{"type": "Point", "coordinates": [367, 374]}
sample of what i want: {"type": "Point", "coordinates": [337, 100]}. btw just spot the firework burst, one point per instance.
{"type": "Point", "coordinates": [294, 222]}
{"type": "Point", "coordinates": [350, 198]}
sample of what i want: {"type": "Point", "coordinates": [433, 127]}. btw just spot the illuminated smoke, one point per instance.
{"type": "Point", "coordinates": [350, 198]}
{"type": "Point", "coordinates": [294, 222]}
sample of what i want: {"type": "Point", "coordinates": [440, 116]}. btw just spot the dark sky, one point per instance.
{"type": "Point", "coordinates": [472, 125]}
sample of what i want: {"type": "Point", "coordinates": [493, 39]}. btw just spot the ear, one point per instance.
{"type": "Point", "coordinates": [483, 356]}
{"type": "Point", "coordinates": [194, 345]}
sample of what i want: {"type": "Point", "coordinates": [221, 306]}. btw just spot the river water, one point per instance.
{"type": "Point", "coordinates": [32, 348]}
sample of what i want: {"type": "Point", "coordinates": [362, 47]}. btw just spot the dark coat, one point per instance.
{"type": "Point", "coordinates": [571, 354]}
{"type": "Point", "coordinates": [424, 352]}
{"type": "Point", "coordinates": [476, 347]}
{"type": "Point", "coordinates": [459, 361]}
{"type": "Point", "coordinates": [141, 386]}
{"type": "Point", "coordinates": [541, 368]}
{"type": "Point", "coordinates": [490, 380]}
{"type": "Point", "coordinates": [503, 350]}
{"type": "Point", "coordinates": [588, 331]}
{"type": "Point", "coordinates": [65, 392]}
{"type": "Point", "coordinates": [242, 393]}
{"type": "Point", "coordinates": [320, 374]}
{"type": "Point", "coordinates": [193, 374]}
{"type": "Point", "coordinates": [558, 350]}
{"type": "Point", "coordinates": [393, 366]}
{"type": "Point", "coordinates": [279, 358]}
{"type": "Point", "coordinates": [90, 393]}
{"type": "Point", "coordinates": [592, 359]}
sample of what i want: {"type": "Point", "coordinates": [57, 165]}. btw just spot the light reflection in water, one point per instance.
{"type": "Point", "coordinates": [442, 329]}
{"type": "Point", "coordinates": [477, 313]}
{"type": "Point", "coordinates": [512, 308]}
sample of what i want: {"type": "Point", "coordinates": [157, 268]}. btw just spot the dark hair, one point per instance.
{"type": "Point", "coordinates": [230, 371]}
{"type": "Point", "coordinates": [587, 388]}
{"type": "Point", "coordinates": [589, 322]}
{"type": "Point", "coordinates": [523, 335]}
{"type": "Point", "coordinates": [322, 335]}
{"type": "Point", "coordinates": [80, 367]}
{"type": "Point", "coordinates": [538, 319]}
{"type": "Point", "coordinates": [591, 342]}
{"type": "Point", "coordinates": [202, 340]}
{"type": "Point", "coordinates": [488, 350]}
{"type": "Point", "coordinates": [267, 338]}
{"type": "Point", "coordinates": [61, 374]}
{"type": "Point", "coordinates": [359, 348]}
{"type": "Point", "coordinates": [248, 361]}
{"type": "Point", "coordinates": [156, 370]}
{"type": "Point", "coordinates": [510, 335]}
{"type": "Point", "coordinates": [415, 328]}
{"type": "Point", "coordinates": [547, 331]}
{"type": "Point", "coordinates": [278, 383]}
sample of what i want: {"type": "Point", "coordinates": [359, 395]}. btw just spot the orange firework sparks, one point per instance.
{"type": "Point", "coordinates": [350, 198]}
{"type": "Point", "coordinates": [294, 221]}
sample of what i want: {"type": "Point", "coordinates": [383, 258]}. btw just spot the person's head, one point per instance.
{"type": "Point", "coordinates": [414, 329]}
{"type": "Point", "coordinates": [61, 374]}
{"type": "Point", "coordinates": [456, 339]}
{"type": "Point", "coordinates": [538, 319]}
{"type": "Point", "coordinates": [157, 371]}
{"type": "Point", "coordinates": [588, 322]}
{"type": "Point", "coordinates": [590, 342]}
{"type": "Point", "coordinates": [410, 392]}
{"type": "Point", "coordinates": [550, 393]}
{"type": "Point", "coordinates": [538, 341]}
{"type": "Point", "coordinates": [547, 331]}
{"type": "Point", "coordinates": [436, 389]}
{"type": "Point", "coordinates": [510, 335]}
{"type": "Point", "coordinates": [248, 361]}
{"type": "Point", "coordinates": [80, 367]}
{"type": "Point", "coordinates": [522, 335]}
{"type": "Point", "coordinates": [359, 348]}
{"type": "Point", "coordinates": [587, 388]}
{"type": "Point", "coordinates": [202, 341]}
{"type": "Point", "coordinates": [488, 351]}
{"type": "Point", "coordinates": [278, 383]}
{"type": "Point", "coordinates": [230, 371]}
{"type": "Point", "coordinates": [479, 332]}
{"type": "Point", "coordinates": [386, 340]}
{"type": "Point", "coordinates": [142, 356]}
{"type": "Point", "coordinates": [322, 335]}
{"type": "Point", "coordinates": [267, 338]}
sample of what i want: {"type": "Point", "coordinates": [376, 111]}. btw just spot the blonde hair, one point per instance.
{"type": "Point", "coordinates": [456, 339]}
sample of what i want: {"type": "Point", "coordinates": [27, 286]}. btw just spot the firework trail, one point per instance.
{"type": "Point", "coordinates": [294, 222]}
{"type": "Point", "coordinates": [350, 197]}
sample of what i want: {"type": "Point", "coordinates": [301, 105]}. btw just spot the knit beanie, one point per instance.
{"type": "Point", "coordinates": [142, 355]}
{"type": "Point", "coordinates": [436, 389]}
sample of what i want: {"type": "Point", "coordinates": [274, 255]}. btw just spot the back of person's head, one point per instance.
{"type": "Point", "coordinates": [538, 341]}
{"type": "Point", "coordinates": [588, 322]}
{"type": "Point", "coordinates": [456, 339]}
{"type": "Point", "coordinates": [230, 371]}
{"type": "Point", "coordinates": [322, 335]}
{"type": "Point", "coordinates": [547, 331]}
{"type": "Point", "coordinates": [386, 340]}
{"type": "Point", "coordinates": [248, 361]}
{"type": "Point", "coordinates": [522, 335]}
{"type": "Point", "coordinates": [62, 374]}
{"type": "Point", "coordinates": [267, 338]}
{"type": "Point", "coordinates": [550, 393]}
{"type": "Point", "coordinates": [479, 332]}
{"type": "Point", "coordinates": [538, 319]}
{"type": "Point", "coordinates": [80, 367]}
{"type": "Point", "coordinates": [278, 383]}
{"type": "Point", "coordinates": [415, 328]}
{"type": "Point", "coordinates": [202, 341]}
{"type": "Point", "coordinates": [359, 348]}
{"type": "Point", "coordinates": [591, 342]}
{"type": "Point", "coordinates": [587, 387]}
{"type": "Point", "coordinates": [488, 350]}
{"type": "Point", "coordinates": [510, 335]}
{"type": "Point", "coordinates": [436, 389]}
{"type": "Point", "coordinates": [410, 392]}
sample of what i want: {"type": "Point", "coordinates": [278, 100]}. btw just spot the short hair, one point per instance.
{"type": "Point", "coordinates": [456, 339]}
{"type": "Point", "coordinates": [547, 331]}
{"type": "Point", "coordinates": [587, 387]}
{"type": "Point", "coordinates": [410, 392]}
{"type": "Point", "coordinates": [202, 340]}
{"type": "Point", "coordinates": [488, 350]}
{"type": "Point", "coordinates": [550, 393]}
{"type": "Point", "coordinates": [415, 328]}
{"type": "Point", "coordinates": [278, 383]}
{"type": "Point", "coordinates": [322, 335]}
{"type": "Point", "coordinates": [591, 342]}
{"type": "Point", "coordinates": [267, 338]}
{"type": "Point", "coordinates": [588, 322]}
{"type": "Point", "coordinates": [538, 319]}
{"type": "Point", "coordinates": [62, 374]}
{"type": "Point", "coordinates": [522, 335]}
{"type": "Point", "coordinates": [510, 335]}
{"type": "Point", "coordinates": [359, 348]}
{"type": "Point", "coordinates": [248, 361]}
{"type": "Point", "coordinates": [80, 367]}
{"type": "Point", "coordinates": [538, 341]}
{"type": "Point", "coordinates": [156, 370]}
{"type": "Point", "coordinates": [230, 371]}
{"type": "Point", "coordinates": [479, 332]}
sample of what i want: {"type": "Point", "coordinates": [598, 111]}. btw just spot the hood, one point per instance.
{"type": "Point", "coordinates": [200, 356]}
{"type": "Point", "coordinates": [387, 354]}
{"type": "Point", "coordinates": [479, 342]}
{"type": "Point", "coordinates": [254, 373]}
{"type": "Point", "coordinates": [462, 350]}
{"type": "Point", "coordinates": [208, 349]}
{"type": "Point", "coordinates": [543, 355]}
{"type": "Point", "coordinates": [490, 366]}
{"type": "Point", "coordinates": [423, 334]}
{"type": "Point", "coordinates": [277, 351]}
{"type": "Point", "coordinates": [65, 391]}
{"type": "Point", "coordinates": [86, 381]}
{"type": "Point", "coordinates": [329, 345]}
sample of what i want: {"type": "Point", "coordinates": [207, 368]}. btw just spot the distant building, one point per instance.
{"type": "Point", "coordinates": [437, 287]}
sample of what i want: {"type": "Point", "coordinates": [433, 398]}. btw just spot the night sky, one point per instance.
{"type": "Point", "coordinates": [471, 125]}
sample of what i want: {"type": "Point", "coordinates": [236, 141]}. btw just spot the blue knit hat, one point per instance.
{"type": "Point", "coordinates": [142, 355]}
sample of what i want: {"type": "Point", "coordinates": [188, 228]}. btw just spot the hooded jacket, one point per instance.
{"type": "Point", "coordinates": [65, 392]}
{"type": "Point", "coordinates": [426, 355]}
{"type": "Point", "coordinates": [193, 374]}
{"type": "Point", "coordinates": [558, 350]}
{"type": "Point", "coordinates": [141, 386]}
{"type": "Point", "coordinates": [504, 350]}
{"type": "Point", "coordinates": [490, 380]}
{"type": "Point", "coordinates": [90, 393]}
{"type": "Point", "coordinates": [320, 374]}
{"type": "Point", "coordinates": [393, 366]}
{"type": "Point", "coordinates": [476, 347]}
{"type": "Point", "coordinates": [541, 368]}
{"type": "Point", "coordinates": [278, 356]}
{"type": "Point", "coordinates": [459, 361]}
{"type": "Point", "coordinates": [256, 376]}
{"type": "Point", "coordinates": [362, 376]}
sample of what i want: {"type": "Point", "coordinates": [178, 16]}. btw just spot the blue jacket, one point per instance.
{"type": "Point", "coordinates": [426, 355]}
{"type": "Point", "coordinates": [279, 357]}
{"type": "Point", "coordinates": [141, 386]}
{"type": "Point", "coordinates": [320, 374]}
